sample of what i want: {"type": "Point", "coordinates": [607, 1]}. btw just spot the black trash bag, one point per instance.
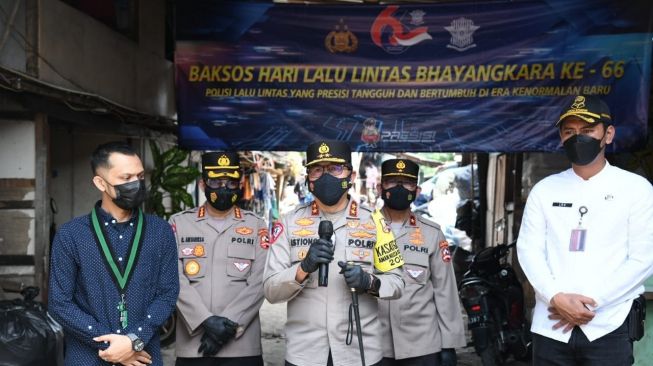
{"type": "Point", "coordinates": [28, 335]}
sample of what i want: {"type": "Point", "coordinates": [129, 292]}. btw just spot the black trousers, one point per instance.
{"type": "Point", "coordinates": [613, 349]}
{"type": "Point", "coordinates": [426, 360]}
{"type": "Point", "coordinates": [220, 361]}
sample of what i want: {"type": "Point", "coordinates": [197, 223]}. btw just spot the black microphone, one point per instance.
{"type": "Point", "coordinates": [325, 230]}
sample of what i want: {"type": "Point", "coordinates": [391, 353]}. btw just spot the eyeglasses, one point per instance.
{"type": "Point", "coordinates": [336, 170]}
{"type": "Point", "coordinates": [393, 182]}
{"type": "Point", "coordinates": [218, 183]}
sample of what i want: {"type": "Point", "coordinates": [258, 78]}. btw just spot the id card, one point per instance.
{"type": "Point", "coordinates": [577, 240]}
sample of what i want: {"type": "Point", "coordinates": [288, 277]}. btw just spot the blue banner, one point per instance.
{"type": "Point", "coordinates": [487, 77]}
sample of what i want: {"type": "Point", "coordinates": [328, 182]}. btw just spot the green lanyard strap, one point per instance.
{"type": "Point", "coordinates": [121, 279]}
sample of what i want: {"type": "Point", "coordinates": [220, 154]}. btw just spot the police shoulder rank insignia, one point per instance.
{"type": "Point", "coordinates": [241, 266]}
{"type": "Point", "coordinates": [237, 213]}
{"type": "Point", "coordinates": [264, 238]}
{"type": "Point", "coordinates": [243, 230]}
{"type": "Point", "coordinates": [277, 230]}
{"type": "Point", "coordinates": [444, 251]}
{"type": "Point", "coordinates": [353, 209]}
{"type": "Point", "coordinates": [413, 221]}
{"type": "Point", "coordinates": [314, 210]}
{"type": "Point", "coordinates": [192, 268]}
{"type": "Point", "coordinates": [198, 250]}
{"type": "Point", "coordinates": [201, 212]}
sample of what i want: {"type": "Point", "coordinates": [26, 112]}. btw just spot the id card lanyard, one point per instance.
{"type": "Point", "coordinates": [121, 280]}
{"type": "Point", "coordinates": [578, 235]}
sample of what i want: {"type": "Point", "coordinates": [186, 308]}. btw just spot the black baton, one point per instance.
{"type": "Point", "coordinates": [357, 318]}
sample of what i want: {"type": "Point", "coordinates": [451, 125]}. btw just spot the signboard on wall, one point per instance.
{"type": "Point", "coordinates": [430, 77]}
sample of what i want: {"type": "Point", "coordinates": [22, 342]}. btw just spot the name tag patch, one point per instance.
{"type": "Point", "coordinates": [562, 204]}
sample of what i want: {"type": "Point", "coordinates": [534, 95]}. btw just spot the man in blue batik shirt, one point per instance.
{"type": "Point", "coordinates": [113, 275]}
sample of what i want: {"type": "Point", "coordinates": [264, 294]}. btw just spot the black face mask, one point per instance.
{"type": "Point", "coordinates": [329, 189]}
{"type": "Point", "coordinates": [399, 197]}
{"type": "Point", "coordinates": [582, 149]}
{"type": "Point", "coordinates": [130, 195]}
{"type": "Point", "coordinates": [222, 198]}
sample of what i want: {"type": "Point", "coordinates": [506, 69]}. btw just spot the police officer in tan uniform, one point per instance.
{"type": "Point", "coordinates": [222, 251]}
{"type": "Point", "coordinates": [425, 325]}
{"type": "Point", "coordinates": [318, 317]}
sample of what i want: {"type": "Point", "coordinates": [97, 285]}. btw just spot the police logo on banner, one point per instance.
{"type": "Point", "coordinates": [402, 36]}
{"type": "Point", "coordinates": [462, 30]}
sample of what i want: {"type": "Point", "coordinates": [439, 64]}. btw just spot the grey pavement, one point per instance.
{"type": "Point", "coordinates": [273, 318]}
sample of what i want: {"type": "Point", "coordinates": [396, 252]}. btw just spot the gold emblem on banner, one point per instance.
{"type": "Point", "coordinates": [341, 39]}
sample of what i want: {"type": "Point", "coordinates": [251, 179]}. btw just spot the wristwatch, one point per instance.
{"type": "Point", "coordinates": [137, 343]}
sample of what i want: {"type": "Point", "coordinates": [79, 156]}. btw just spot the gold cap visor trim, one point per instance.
{"type": "Point", "coordinates": [221, 167]}
{"type": "Point", "coordinates": [585, 116]}
{"type": "Point", "coordinates": [327, 160]}
{"type": "Point", "coordinates": [399, 174]}
{"type": "Point", "coordinates": [235, 174]}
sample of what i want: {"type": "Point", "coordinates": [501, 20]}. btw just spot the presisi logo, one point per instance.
{"type": "Point", "coordinates": [401, 36]}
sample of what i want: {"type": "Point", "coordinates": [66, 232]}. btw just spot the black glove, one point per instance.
{"type": "Point", "coordinates": [219, 328]}
{"type": "Point", "coordinates": [448, 357]}
{"type": "Point", "coordinates": [320, 251]}
{"type": "Point", "coordinates": [355, 276]}
{"type": "Point", "coordinates": [209, 346]}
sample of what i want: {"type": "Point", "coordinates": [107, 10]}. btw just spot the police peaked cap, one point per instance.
{"type": "Point", "coordinates": [399, 168]}
{"type": "Point", "coordinates": [220, 164]}
{"type": "Point", "coordinates": [328, 151]}
{"type": "Point", "coordinates": [588, 108]}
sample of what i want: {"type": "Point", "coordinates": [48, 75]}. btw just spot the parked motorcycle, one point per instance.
{"type": "Point", "coordinates": [493, 299]}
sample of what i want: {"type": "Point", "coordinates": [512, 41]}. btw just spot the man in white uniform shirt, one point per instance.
{"type": "Point", "coordinates": [586, 246]}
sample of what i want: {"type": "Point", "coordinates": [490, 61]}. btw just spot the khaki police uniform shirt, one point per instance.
{"type": "Point", "coordinates": [428, 316]}
{"type": "Point", "coordinates": [318, 316]}
{"type": "Point", "coordinates": [220, 272]}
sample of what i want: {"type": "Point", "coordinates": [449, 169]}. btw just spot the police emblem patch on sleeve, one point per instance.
{"type": "Point", "coordinates": [444, 251]}
{"type": "Point", "coordinates": [277, 230]}
{"type": "Point", "coordinates": [264, 238]}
